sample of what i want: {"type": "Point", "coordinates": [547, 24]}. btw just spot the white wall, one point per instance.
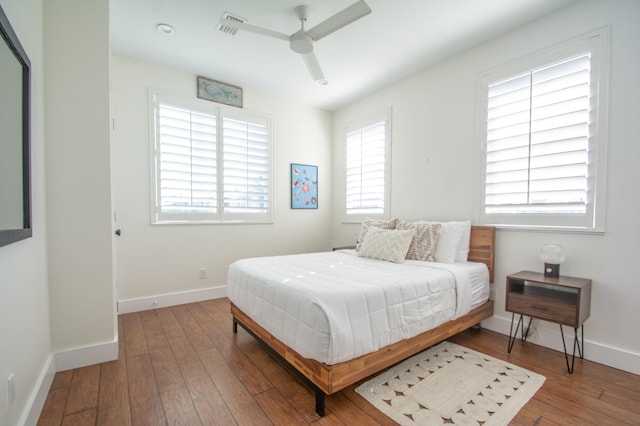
{"type": "Point", "coordinates": [77, 55]}
{"type": "Point", "coordinates": [24, 296]}
{"type": "Point", "coordinates": [433, 143]}
{"type": "Point", "coordinates": [163, 259]}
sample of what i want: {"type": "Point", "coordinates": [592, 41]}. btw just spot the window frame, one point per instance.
{"type": "Point", "coordinates": [594, 221]}
{"type": "Point", "coordinates": [156, 97]}
{"type": "Point", "coordinates": [384, 116]}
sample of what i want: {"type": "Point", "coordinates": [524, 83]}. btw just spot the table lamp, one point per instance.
{"type": "Point", "coordinates": [552, 255]}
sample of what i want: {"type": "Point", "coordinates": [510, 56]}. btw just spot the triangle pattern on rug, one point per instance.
{"type": "Point", "coordinates": [450, 383]}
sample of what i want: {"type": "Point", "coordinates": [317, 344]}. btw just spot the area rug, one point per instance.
{"type": "Point", "coordinates": [450, 384]}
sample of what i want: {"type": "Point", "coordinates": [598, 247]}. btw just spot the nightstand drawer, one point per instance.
{"type": "Point", "coordinates": [543, 308]}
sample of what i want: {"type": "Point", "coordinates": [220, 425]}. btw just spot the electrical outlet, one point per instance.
{"type": "Point", "coordinates": [12, 389]}
{"type": "Point", "coordinates": [492, 294]}
{"type": "Point", "coordinates": [203, 273]}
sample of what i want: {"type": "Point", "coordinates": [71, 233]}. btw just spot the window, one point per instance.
{"type": "Point", "coordinates": [210, 164]}
{"type": "Point", "coordinates": [367, 168]}
{"type": "Point", "coordinates": [544, 139]}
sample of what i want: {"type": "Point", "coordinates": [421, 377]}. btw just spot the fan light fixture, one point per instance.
{"type": "Point", "coordinates": [301, 41]}
{"type": "Point", "coordinates": [552, 255]}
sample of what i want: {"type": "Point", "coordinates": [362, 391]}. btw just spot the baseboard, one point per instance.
{"type": "Point", "coordinates": [171, 299]}
{"type": "Point", "coordinates": [593, 351]}
{"type": "Point", "coordinates": [39, 394]}
{"type": "Point", "coordinates": [61, 361]}
{"type": "Point", "coordinates": [96, 354]}
{"type": "Point", "coordinates": [90, 355]}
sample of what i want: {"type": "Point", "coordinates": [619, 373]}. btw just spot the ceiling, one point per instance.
{"type": "Point", "coordinates": [397, 39]}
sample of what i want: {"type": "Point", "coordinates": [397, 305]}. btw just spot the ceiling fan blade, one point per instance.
{"type": "Point", "coordinates": [252, 28]}
{"type": "Point", "coordinates": [313, 66]}
{"type": "Point", "coordinates": [339, 20]}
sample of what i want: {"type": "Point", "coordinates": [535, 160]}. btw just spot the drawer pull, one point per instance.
{"type": "Point", "coordinates": [540, 308]}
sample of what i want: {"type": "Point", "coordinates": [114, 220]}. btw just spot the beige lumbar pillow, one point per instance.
{"type": "Point", "coordinates": [383, 244]}
{"type": "Point", "coordinates": [377, 223]}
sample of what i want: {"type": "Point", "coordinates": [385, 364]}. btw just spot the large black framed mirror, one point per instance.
{"type": "Point", "coordinates": [15, 137]}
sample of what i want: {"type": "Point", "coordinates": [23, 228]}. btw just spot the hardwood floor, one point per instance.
{"type": "Point", "coordinates": [183, 365]}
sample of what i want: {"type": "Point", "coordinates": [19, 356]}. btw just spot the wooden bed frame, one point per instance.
{"type": "Point", "coordinates": [329, 379]}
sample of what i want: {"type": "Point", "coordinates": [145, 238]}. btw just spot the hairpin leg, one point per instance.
{"type": "Point", "coordinates": [576, 345]}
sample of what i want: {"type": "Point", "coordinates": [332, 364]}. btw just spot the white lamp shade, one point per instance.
{"type": "Point", "coordinates": [552, 253]}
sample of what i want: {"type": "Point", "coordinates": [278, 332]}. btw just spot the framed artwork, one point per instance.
{"type": "Point", "coordinates": [304, 186]}
{"type": "Point", "coordinates": [216, 91]}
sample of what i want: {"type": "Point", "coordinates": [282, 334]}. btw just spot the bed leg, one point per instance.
{"type": "Point", "coordinates": [320, 402]}
{"type": "Point", "coordinates": [320, 395]}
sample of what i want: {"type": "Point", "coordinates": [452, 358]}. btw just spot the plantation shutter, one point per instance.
{"type": "Point", "coordinates": [365, 169]}
{"type": "Point", "coordinates": [537, 151]}
{"type": "Point", "coordinates": [246, 165]}
{"type": "Point", "coordinates": [210, 164]}
{"type": "Point", "coordinates": [186, 161]}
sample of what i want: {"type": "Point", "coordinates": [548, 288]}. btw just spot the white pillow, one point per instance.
{"type": "Point", "coordinates": [424, 243]}
{"type": "Point", "coordinates": [448, 242]}
{"type": "Point", "coordinates": [384, 244]}
{"type": "Point", "coordinates": [453, 241]}
{"type": "Point", "coordinates": [463, 247]}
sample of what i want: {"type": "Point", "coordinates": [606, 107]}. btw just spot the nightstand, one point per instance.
{"type": "Point", "coordinates": [563, 300]}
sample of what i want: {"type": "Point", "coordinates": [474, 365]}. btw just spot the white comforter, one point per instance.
{"type": "Point", "coordinates": [336, 306]}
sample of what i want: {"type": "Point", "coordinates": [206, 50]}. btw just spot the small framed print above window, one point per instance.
{"type": "Point", "coordinates": [304, 186]}
{"type": "Point", "coordinates": [216, 91]}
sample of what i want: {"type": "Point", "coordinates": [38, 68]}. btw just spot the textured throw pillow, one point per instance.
{"type": "Point", "coordinates": [367, 223]}
{"type": "Point", "coordinates": [386, 244]}
{"type": "Point", "coordinates": [424, 244]}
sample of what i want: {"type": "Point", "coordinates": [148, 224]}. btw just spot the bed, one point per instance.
{"type": "Point", "coordinates": [374, 323]}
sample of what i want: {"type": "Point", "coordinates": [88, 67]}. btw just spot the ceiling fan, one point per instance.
{"type": "Point", "coordinates": [302, 40]}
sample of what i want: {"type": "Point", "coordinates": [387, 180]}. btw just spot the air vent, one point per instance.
{"type": "Point", "coordinates": [231, 17]}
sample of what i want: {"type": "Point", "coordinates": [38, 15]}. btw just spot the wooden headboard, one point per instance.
{"type": "Point", "coordinates": [482, 246]}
